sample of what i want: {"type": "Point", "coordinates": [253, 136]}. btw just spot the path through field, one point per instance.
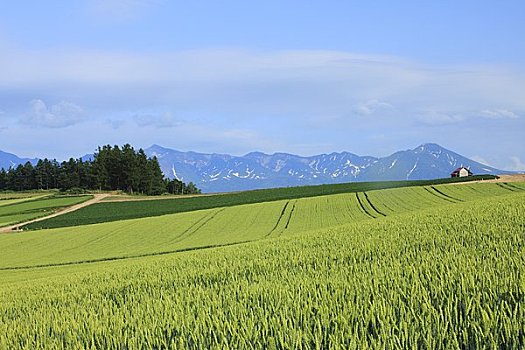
{"type": "Point", "coordinates": [502, 178]}
{"type": "Point", "coordinates": [15, 228]}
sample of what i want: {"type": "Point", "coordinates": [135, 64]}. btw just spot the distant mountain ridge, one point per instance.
{"type": "Point", "coordinates": [255, 170]}
{"type": "Point", "coordinates": [8, 160]}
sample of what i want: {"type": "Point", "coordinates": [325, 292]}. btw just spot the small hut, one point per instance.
{"type": "Point", "coordinates": [461, 172]}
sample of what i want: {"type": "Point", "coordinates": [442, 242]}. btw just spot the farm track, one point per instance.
{"type": "Point", "coordinates": [446, 195]}
{"type": "Point", "coordinates": [363, 207]}
{"type": "Point", "coordinates": [438, 196]}
{"type": "Point", "coordinates": [198, 225]}
{"type": "Point", "coordinates": [513, 186]}
{"type": "Point", "coordinates": [290, 217]}
{"type": "Point", "coordinates": [16, 227]}
{"type": "Point", "coordinates": [502, 178]}
{"type": "Point", "coordinates": [372, 205]}
{"type": "Point", "coordinates": [416, 274]}
{"type": "Point", "coordinates": [278, 219]}
{"type": "Point", "coordinates": [508, 187]}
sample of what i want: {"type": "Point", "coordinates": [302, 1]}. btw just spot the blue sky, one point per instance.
{"type": "Point", "coordinates": [304, 77]}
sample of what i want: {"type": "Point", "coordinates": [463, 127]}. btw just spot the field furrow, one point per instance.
{"type": "Point", "coordinates": [434, 278]}
{"type": "Point", "coordinates": [219, 226]}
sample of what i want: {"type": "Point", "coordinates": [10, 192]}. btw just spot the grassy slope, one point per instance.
{"type": "Point", "coordinates": [8, 195]}
{"type": "Point", "coordinates": [438, 278]}
{"type": "Point", "coordinates": [107, 212]}
{"type": "Point", "coordinates": [218, 226]}
{"type": "Point", "coordinates": [10, 201]}
{"type": "Point", "coordinates": [29, 209]}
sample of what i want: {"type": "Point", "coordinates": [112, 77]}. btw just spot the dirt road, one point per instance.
{"type": "Point", "coordinates": [502, 178]}
{"type": "Point", "coordinates": [16, 228]}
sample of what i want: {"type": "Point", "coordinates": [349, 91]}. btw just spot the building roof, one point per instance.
{"type": "Point", "coordinates": [459, 169]}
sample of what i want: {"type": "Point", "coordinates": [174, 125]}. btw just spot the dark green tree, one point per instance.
{"type": "Point", "coordinates": [112, 168]}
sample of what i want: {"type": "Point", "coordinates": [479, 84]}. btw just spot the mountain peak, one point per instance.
{"type": "Point", "coordinates": [256, 154]}
{"type": "Point", "coordinates": [158, 148]}
{"type": "Point", "coordinates": [223, 172]}
{"type": "Point", "coordinates": [429, 147]}
{"type": "Point", "coordinates": [10, 160]}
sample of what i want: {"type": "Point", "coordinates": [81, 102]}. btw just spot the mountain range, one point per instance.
{"type": "Point", "coordinates": [8, 160]}
{"type": "Point", "coordinates": [223, 173]}
{"type": "Point", "coordinates": [255, 170]}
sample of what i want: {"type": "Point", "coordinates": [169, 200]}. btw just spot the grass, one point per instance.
{"type": "Point", "coordinates": [115, 211]}
{"type": "Point", "coordinates": [8, 198]}
{"type": "Point", "coordinates": [449, 276]}
{"type": "Point", "coordinates": [6, 195]}
{"type": "Point", "coordinates": [20, 210]}
{"type": "Point", "coordinates": [19, 200]}
{"type": "Point", "coordinates": [215, 227]}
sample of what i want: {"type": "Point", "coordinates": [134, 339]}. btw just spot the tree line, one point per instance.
{"type": "Point", "coordinates": [112, 168]}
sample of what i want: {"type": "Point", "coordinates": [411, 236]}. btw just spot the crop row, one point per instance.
{"type": "Point", "coordinates": [433, 279]}
{"type": "Point", "coordinates": [26, 209]}
{"type": "Point", "coordinates": [115, 211]}
{"type": "Point", "coordinates": [215, 227]}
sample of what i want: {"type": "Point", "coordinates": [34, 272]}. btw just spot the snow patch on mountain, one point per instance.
{"type": "Point", "coordinates": [222, 172]}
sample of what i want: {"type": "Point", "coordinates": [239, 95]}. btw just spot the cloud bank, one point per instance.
{"type": "Point", "coordinates": [295, 101]}
{"type": "Point", "coordinates": [288, 82]}
{"type": "Point", "coordinates": [59, 115]}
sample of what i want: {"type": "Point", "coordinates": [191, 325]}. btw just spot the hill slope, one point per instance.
{"type": "Point", "coordinates": [408, 281]}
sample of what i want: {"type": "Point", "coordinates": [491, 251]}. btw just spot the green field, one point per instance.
{"type": "Point", "coordinates": [19, 210]}
{"type": "Point", "coordinates": [321, 272]}
{"type": "Point", "coordinates": [8, 198]}
{"type": "Point", "coordinates": [223, 226]}
{"type": "Point", "coordinates": [115, 211]}
{"type": "Point", "coordinates": [6, 195]}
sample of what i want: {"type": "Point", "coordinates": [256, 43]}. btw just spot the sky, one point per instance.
{"type": "Point", "coordinates": [303, 77]}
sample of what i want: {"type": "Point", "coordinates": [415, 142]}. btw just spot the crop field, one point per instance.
{"type": "Point", "coordinates": [6, 195]}
{"type": "Point", "coordinates": [115, 211]}
{"type": "Point", "coordinates": [18, 210]}
{"type": "Point", "coordinates": [442, 275]}
{"type": "Point", "coordinates": [9, 198]}
{"type": "Point", "coordinates": [140, 236]}
{"type": "Point", "coordinates": [219, 226]}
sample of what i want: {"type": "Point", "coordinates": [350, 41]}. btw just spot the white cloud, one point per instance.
{"type": "Point", "coordinates": [163, 120]}
{"type": "Point", "coordinates": [115, 123]}
{"type": "Point", "coordinates": [481, 160]}
{"type": "Point", "coordinates": [371, 107]}
{"type": "Point", "coordinates": [343, 76]}
{"type": "Point", "coordinates": [516, 164]}
{"type": "Point", "coordinates": [60, 115]}
{"type": "Point", "coordinates": [499, 114]}
{"type": "Point", "coordinates": [291, 83]}
{"type": "Point", "coordinates": [434, 118]}
{"type": "Point", "coordinates": [289, 96]}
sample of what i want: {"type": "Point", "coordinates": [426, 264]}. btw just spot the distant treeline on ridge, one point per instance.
{"type": "Point", "coordinates": [112, 168]}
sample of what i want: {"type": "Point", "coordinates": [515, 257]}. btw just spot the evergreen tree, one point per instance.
{"type": "Point", "coordinates": [100, 168]}
{"type": "Point", "coordinates": [191, 189]}
{"type": "Point", "coordinates": [3, 180]}
{"type": "Point", "coordinates": [156, 184]}
{"type": "Point", "coordinates": [112, 168]}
